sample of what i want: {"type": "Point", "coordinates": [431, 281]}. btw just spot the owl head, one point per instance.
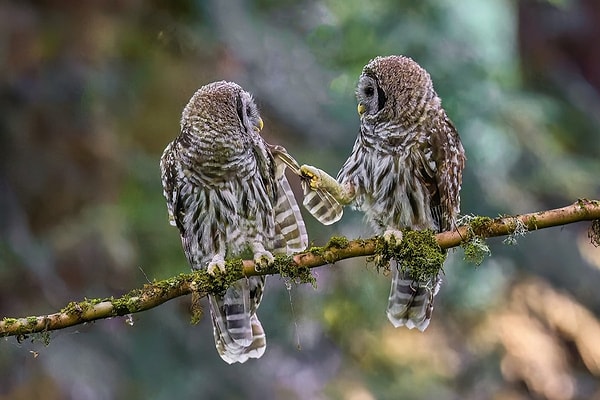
{"type": "Point", "coordinates": [219, 107]}
{"type": "Point", "coordinates": [393, 88]}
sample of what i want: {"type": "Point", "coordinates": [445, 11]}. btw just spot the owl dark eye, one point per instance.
{"type": "Point", "coordinates": [369, 92]}
{"type": "Point", "coordinates": [240, 108]}
{"type": "Point", "coordinates": [380, 98]}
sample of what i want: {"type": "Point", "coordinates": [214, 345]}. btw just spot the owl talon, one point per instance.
{"type": "Point", "coordinates": [217, 265]}
{"type": "Point", "coordinates": [263, 259]}
{"type": "Point", "coordinates": [312, 175]}
{"type": "Point", "coordinates": [393, 237]}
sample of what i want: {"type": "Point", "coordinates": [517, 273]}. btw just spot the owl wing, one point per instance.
{"type": "Point", "coordinates": [290, 230]}
{"type": "Point", "coordinates": [288, 219]}
{"type": "Point", "coordinates": [321, 204]}
{"type": "Point", "coordinates": [168, 177]}
{"type": "Point", "coordinates": [449, 157]}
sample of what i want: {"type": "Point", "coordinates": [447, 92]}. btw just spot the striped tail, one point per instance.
{"type": "Point", "coordinates": [237, 330]}
{"type": "Point", "coordinates": [411, 302]}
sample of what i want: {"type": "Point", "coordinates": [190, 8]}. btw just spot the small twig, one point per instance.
{"type": "Point", "coordinates": [156, 293]}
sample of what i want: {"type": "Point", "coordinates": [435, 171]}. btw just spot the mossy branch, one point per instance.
{"type": "Point", "coordinates": [295, 267]}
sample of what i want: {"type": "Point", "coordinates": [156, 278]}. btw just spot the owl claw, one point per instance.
{"type": "Point", "coordinates": [217, 264]}
{"type": "Point", "coordinates": [312, 176]}
{"type": "Point", "coordinates": [262, 257]}
{"type": "Point", "coordinates": [392, 236]}
{"type": "Point", "coordinates": [263, 260]}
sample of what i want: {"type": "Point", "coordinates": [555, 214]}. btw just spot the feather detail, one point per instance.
{"type": "Point", "coordinates": [226, 193]}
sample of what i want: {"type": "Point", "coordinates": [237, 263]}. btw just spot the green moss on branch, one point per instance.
{"type": "Point", "coordinates": [420, 251]}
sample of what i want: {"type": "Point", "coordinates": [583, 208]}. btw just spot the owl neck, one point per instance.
{"type": "Point", "coordinates": [389, 138]}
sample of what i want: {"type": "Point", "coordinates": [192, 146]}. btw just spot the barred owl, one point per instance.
{"type": "Point", "coordinates": [405, 170]}
{"type": "Point", "coordinates": [227, 193]}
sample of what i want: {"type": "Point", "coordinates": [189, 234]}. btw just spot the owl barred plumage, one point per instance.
{"type": "Point", "coordinates": [321, 204]}
{"type": "Point", "coordinates": [227, 192]}
{"type": "Point", "coordinates": [405, 170]}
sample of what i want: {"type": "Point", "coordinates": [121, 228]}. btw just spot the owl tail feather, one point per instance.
{"type": "Point", "coordinates": [238, 332]}
{"type": "Point", "coordinates": [411, 302]}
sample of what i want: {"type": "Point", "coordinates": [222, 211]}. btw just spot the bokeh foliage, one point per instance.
{"type": "Point", "coordinates": [91, 92]}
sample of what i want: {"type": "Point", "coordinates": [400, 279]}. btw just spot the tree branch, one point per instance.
{"type": "Point", "coordinates": [294, 267]}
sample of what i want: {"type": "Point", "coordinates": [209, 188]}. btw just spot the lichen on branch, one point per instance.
{"type": "Point", "coordinates": [421, 252]}
{"type": "Point", "coordinates": [421, 255]}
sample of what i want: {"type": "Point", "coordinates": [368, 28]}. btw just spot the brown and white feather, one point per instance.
{"type": "Point", "coordinates": [406, 169]}
{"type": "Point", "coordinates": [227, 195]}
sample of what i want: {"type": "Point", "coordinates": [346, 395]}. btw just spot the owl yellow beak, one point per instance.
{"type": "Point", "coordinates": [361, 109]}
{"type": "Point", "coordinates": [260, 125]}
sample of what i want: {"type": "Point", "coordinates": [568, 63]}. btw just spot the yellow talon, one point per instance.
{"type": "Point", "coordinates": [310, 174]}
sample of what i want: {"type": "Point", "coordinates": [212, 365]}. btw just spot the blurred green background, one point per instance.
{"type": "Point", "coordinates": [92, 91]}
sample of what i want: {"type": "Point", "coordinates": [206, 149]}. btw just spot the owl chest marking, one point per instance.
{"type": "Point", "coordinates": [230, 212]}
{"type": "Point", "coordinates": [391, 175]}
{"type": "Point", "coordinates": [393, 196]}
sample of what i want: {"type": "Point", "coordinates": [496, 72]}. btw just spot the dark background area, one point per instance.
{"type": "Point", "coordinates": [91, 92]}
